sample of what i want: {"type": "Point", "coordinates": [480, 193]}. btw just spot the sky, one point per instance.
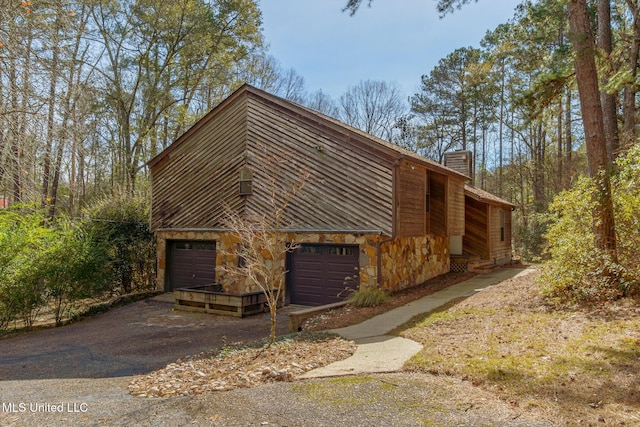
{"type": "Point", "coordinates": [394, 40]}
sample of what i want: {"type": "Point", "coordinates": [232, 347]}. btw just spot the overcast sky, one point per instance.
{"type": "Point", "coordinates": [394, 40]}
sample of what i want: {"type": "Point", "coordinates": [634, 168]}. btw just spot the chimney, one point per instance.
{"type": "Point", "coordinates": [460, 161]}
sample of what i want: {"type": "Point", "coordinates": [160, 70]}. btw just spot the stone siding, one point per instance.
{"type": "Point", "coordinates": [367, 244]}
{"type": "Point", "coordinates": [405, 261]}
{"type": "Point", "coordinates": [410, 261]}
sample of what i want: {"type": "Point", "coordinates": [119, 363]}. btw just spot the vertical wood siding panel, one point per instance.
{"type": "Point", "coordinates": [411, 200]}
{"type": "Point", "coordinates": [456, 207]}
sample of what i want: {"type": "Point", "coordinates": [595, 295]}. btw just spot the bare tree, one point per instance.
{"type": "Point", "coordinates": [323, 103]}
{"type": "Point", "coordinates": [373, 106]}
{"type": "Point", "coordinates": [262, 243]}
{"type": "Point", "coordinates": [265, 72]}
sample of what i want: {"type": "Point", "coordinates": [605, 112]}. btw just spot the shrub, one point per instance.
{"type": "Point", "coordinates": [119, 224]}
{"type": "Point", "coordinates": [44, 263]}
{"type": "Point", "coordinates": [74, 269]}
{"type": "Point", "coordinates": [367, 297]}
{"type": "Point", "coordinates": [22, 238]}
{"type": "Point", "coordinates": [576, 270]}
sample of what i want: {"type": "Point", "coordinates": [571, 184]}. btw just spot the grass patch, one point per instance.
{"type": "Point", "coordinates": [567, 362]}
{"type": "Point", "coordinates": [367, 297]}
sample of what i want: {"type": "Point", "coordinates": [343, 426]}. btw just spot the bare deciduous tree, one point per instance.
{"type": "Point", "coordinates": [373, 106]}
{"type": "Point", "coordinates": [261, 238]}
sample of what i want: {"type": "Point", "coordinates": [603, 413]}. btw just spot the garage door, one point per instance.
{"type": "Point", "coordinates": [191, 263]}
{"type": "Point", "coordinates": [318, 273]}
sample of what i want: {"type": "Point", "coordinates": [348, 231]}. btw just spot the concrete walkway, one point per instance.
{"type": "Point", "coordinates": [379, 352]}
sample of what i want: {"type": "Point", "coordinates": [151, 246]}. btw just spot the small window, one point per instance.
{"type": "Point", "coordinates": [341, 250]}
{"type": "Point", "coordinates": [205, 246]}
{"type": "Point", "coordinates": [310, 249]}
{"type": "Point", "coordinates": [427, 204]}
{"type": "Point", "coordinates": [246, 182]}
{"type": "Point", "coordinates": [502, 226]}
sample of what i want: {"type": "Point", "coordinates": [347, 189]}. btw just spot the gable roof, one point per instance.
{"type": "Point", "coordinates": [371, 142]}
{"type": "Point", "coordinates": [484, 196]}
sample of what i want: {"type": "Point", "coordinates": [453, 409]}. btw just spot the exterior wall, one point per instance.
{"type": "Point", "coordinates": [410, 261]}
{"type": "Point", "coordinates": [412, 191]}
{"type": "Point", "coordinates": [500, 249]}
{"type": "Point", "coordinates": [368, 246]}
{"type": "Point", "coordinates": [193, 178]}
{"type": "Point", "coordinates": [350, 185]}
{"type": "Point", "coordinates": [455, 199]}
{"type": "Point", "coordinates": [476, 240]}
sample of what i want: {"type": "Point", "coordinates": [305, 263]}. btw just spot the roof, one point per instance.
{"type": "Point", "coordinates": [374, 143]}
{"type": "Point", "coordinates": [484, 196]}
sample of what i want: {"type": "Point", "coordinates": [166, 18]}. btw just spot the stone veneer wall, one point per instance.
{"type": "Point", "coordinates": [405, 261]}
{"type": "Point", "coordinates": [367, 243]}
{"type": "Point", "coordinates": [410, 261]}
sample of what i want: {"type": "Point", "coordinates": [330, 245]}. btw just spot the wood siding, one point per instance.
{"type": "Point", "coordinates": [438, 204]}
{"type": "Point", "coordinates": [455, 198]}
{"type": "Point", "coordinates": [355, 179]}
{"type": "Point", "coordinates": [460, 161]}
{"type": "Point", "coordinates": [500, 250]}
{"type": "Point", "coordinates": [350, 187]}
{"type": "Point", "coordinates": [483, 236]}
{"type": "Point", "coordinates": [475, 240]}
{"type": "Point", "coordinates": [411, 207]}
{"type": "Point", "coordinates": [191, 183]}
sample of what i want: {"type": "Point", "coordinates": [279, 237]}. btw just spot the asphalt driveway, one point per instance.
{"type": "Point", "coordinates": [128, 340]}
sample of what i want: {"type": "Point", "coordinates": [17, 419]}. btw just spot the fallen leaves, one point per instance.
{"type": "Point", "coordinates": [245, 367]}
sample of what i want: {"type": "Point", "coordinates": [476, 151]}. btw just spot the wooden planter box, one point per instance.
{"type": "Point", "coordinates": [209, 299]}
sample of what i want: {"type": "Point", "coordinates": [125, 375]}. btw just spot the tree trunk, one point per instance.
{"type": "Point", "coordinates": [629, 102]}
{"type": "Point", "coordinates": [608, 100]}
{"type": "Point", "coordinates": [592, 118]}
{"type": "Point", "coordinates": [568, 141]}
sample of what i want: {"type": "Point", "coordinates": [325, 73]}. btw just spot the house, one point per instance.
{"type": "Point", "coordinates": [487, 234]}
{"type": "Point", "coordinates": [374, 215]}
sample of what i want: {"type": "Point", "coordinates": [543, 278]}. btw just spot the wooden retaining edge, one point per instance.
{"type": "Point", "coordinates": [296, 317]}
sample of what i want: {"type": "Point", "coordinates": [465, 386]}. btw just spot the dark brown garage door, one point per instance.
{"type": "Point", "coordinates": [191, 263]}
{"type": "Point", "coordinates": [318, 273]}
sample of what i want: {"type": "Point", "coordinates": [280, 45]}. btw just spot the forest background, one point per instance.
{"type": "Point", "coordinates": [91, 90]}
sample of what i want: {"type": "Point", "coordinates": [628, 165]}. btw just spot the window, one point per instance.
{"type": "Point", "coordinates": [341, 250]}
{"type": "Point", "coordinates": [501, 225]}
{"type": "Point", "coordinates": [246, 182]}
{"type": "Point", "coordinates": [310, 249]}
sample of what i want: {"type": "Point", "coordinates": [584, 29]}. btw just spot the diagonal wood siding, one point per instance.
{"type": "Point", "coordinates": [476, 238]}
{"type": "Point", "coordinates": [350, 186]}
{"type": "Point", "coordinates": [191, 181]}
{"type": "Point", "coordinates": [352, 174]}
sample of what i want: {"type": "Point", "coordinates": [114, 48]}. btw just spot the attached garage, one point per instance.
{"type": "Point", "coordinates": [191, 263]}
{"type": "Point", "coordinates": [318, 274]}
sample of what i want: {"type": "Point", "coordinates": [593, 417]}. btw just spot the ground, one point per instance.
{"type": "Point", "coordinates": [504, 345]}
{"type": "Point", "coordinates": [349, 315]}
{"type": "Point", "coordinates": [282, 362]}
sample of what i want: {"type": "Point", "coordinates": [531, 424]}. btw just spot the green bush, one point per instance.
{"type": "Point", "coordinates": [45, 263]}
{"type": "Point", "coordinates": [74, 268]}
{"type": "Point", "coordinates": [22, 238]}
{"type": "Point", "coordinates": [576, 270]}
{"type": "Point", "coordinates": [119, 224]}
